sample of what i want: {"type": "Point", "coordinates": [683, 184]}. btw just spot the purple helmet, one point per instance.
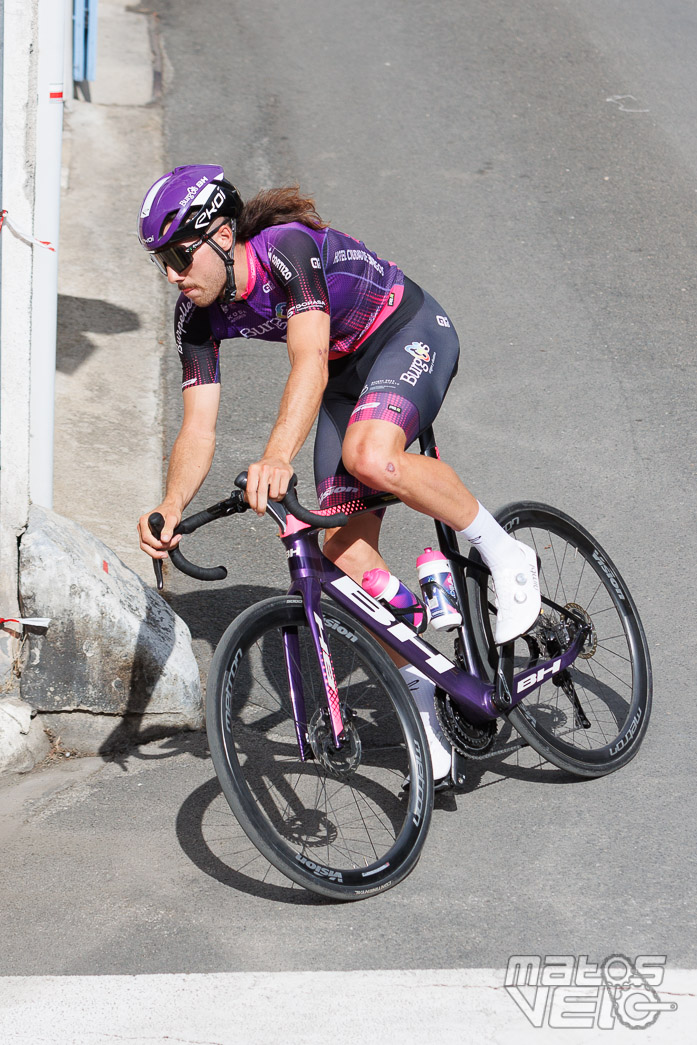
{"type": "Point", "coordinates": [186, 200]}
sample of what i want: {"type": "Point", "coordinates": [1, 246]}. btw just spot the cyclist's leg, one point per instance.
{"type": "Point", "coordinates": [402, 396]}
{"type": "Point", "coordinates": [354, 547]}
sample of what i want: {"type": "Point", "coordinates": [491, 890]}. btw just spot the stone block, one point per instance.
{"type": "Point", "coordinates": [113, 647]}
{"type": "Point", "coordinates": [23, 741]}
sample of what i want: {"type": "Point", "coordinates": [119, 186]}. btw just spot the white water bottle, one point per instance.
{"type": "Point", "coordinates": [438, 590]}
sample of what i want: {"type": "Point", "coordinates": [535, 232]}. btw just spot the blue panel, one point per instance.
{"type": "Point", "coordinates": [84, 39]}
{"type": "Point", "coordinates": [79, 40]}
{"type": "Point", "coordinates": [91, 45]}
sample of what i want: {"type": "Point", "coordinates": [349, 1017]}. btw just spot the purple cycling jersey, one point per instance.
{"type": "Point", "coordinates": [292, 269]}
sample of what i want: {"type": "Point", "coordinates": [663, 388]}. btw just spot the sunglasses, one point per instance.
{"type": "Point", "coordinates": [179, 257]}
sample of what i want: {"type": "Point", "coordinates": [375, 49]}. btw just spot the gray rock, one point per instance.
{"type": "Point", "coordinates": [7, 675]}
{"type": "Point", "coordinates": [113, 647]}
{"type": "Point", "coordinates": [23, 742]}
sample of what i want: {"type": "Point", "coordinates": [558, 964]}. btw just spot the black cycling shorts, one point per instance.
{"type": "Point", "coordinates": [400, 374]}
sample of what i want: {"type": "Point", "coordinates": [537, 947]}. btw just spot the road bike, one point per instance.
{"type": "Point", "coordinates": [315, 740]}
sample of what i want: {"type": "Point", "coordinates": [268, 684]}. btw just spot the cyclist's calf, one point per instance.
{"type": "Point", "coordinates": [354, 547]}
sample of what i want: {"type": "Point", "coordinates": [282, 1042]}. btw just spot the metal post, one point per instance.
{"type": "Point", "coordinates": [49, 135]}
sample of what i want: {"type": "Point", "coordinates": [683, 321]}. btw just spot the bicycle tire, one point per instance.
{"type": "Point", "coordinates": [611, 678]}
{"type": "Point", "coordinates": [345, 834]}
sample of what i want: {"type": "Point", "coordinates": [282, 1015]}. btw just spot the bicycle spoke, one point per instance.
{"type": "Point", "coordinates": [586, 719]}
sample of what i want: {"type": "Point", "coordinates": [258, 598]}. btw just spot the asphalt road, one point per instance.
{"type": "Point", "coordinates": [532, 165]}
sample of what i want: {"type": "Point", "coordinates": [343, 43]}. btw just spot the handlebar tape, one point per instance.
{"type": "Point", "coordinates": [291, 503]}
{"type": "Point", "coordinates": [199, 573]}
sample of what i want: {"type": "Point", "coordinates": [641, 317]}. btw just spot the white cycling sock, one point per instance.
{"type": "Point", "coordinates": [423, 692]}
{"type": "Point", "coordinates": [496, 547]}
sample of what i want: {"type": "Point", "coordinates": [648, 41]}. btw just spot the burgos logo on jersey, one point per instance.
{"type": "Point", "coordinates": [422, 357]}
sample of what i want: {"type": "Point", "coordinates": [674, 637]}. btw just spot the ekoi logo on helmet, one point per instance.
{"type": "Point", "coordinates": [419, 351]}
{"type": "Point", "coordinates": [206, 214]}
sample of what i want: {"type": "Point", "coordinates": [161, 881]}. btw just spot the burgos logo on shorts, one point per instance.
{"type": "Point", "coordinates": [422, 357]}
{"type": "Point", "coordinates": [419, 351]}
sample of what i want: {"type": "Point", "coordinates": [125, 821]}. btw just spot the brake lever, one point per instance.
{"type": "Point", "coordinates": [155, 524]}
{"type": "Point", "coordinates": [273, 508]}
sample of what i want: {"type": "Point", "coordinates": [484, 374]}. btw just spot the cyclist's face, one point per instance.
{"type": "Point", "coordinates": [204, 279]}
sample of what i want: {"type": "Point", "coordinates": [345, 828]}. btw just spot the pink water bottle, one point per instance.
{"type": "Point", "coordinates": [438, 590]}
{"type": "Point", "coordinates": [388, 588]}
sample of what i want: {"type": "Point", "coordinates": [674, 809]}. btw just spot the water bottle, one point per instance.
{"type": "Point", "coordinates": [388, 588]}
{"type": "Point", "coordinates": [438, 590]}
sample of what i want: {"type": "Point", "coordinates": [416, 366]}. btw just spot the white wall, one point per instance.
{"type": "Point", "coordinates": [19, 146]}
{"type": "Point", "coordinates": [22, 272]}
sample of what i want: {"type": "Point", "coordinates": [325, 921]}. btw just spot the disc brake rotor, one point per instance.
{"type": "Point", "coordinates": [591, 643]}
{"type": "Point", "coordinates": [341, 762]}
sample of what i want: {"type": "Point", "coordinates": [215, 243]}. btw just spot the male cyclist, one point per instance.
{"type": "Point", "coordinates": [370, 352]}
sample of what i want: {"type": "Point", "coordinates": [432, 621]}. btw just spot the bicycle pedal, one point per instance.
{"type": "Point", "coordinates": [458, 775]}
{"type": "Point", "coordinates": [446, 783]}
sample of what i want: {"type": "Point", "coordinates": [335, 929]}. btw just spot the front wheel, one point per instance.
{"type": "Point", "coordinates": [591, 718]}
{"type": "Point", "coordinates": [345, 824]}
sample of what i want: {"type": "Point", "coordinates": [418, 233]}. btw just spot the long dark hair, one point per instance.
{"type": "Point", "coordinates": [276, 207]}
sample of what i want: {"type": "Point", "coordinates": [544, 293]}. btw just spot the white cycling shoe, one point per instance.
{"type": "Point", "coordinates": [518, 599]}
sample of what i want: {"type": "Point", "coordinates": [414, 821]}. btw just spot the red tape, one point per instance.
{"type": "Point", "coordinates": [26, 236]}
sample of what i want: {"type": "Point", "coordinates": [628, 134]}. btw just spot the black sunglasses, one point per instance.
{"type": "Point", "coordinates": [178, 257]}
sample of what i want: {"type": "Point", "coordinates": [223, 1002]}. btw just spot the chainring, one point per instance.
{"type": "Point", "coordinates": [471, 740]}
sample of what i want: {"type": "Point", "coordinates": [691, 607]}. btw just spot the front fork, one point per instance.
{"type": "Point", "coordinates": [310, 592]}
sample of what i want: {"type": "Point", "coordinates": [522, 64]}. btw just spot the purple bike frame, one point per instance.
{"type": "Point", "coordinates": [313, 575]}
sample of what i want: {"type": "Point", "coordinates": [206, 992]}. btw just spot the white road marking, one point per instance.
{"type": "Point", "coordinates": [428, 1007]}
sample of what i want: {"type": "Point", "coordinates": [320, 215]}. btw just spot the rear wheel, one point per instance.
{"type": "Point", "coordinates": [590, 718]}
{"type": "Point", "coordinates": [341, 823]}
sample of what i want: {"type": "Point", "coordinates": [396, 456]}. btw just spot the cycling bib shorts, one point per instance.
{"type": "Point", "coordinates": [399, 375]}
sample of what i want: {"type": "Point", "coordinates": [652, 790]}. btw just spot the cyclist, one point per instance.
{"type": "Point", "coordinates": [371, 356]}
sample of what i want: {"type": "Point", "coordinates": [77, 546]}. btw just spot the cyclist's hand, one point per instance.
{"type": "Point", "coordinates": [267, 480]}
{"type": "Point", "coordinates": [149, 543]}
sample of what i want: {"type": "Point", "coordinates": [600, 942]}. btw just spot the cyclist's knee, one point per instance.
{"type": "Point", "coordinates": [376, 462]}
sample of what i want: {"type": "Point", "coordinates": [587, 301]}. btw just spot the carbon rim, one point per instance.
{"type": "Point", "coordinates": [348, 825]}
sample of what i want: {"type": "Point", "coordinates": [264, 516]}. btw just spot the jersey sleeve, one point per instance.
{"type": "Point", "coordinates": [198, 349]}
{"type": "Point", "coordinates": [296, 265]}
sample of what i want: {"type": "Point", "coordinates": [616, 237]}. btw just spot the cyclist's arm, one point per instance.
{"type": "Point", "coordinates": [308, 349]}
{"type": "Point", "coordinates": [189, 463]}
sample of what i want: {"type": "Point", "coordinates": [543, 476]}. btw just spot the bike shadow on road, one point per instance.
{"type": "Point", "coordinates": [212, 839]}
{"type": "Point", "coordinates": [510, 761]}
